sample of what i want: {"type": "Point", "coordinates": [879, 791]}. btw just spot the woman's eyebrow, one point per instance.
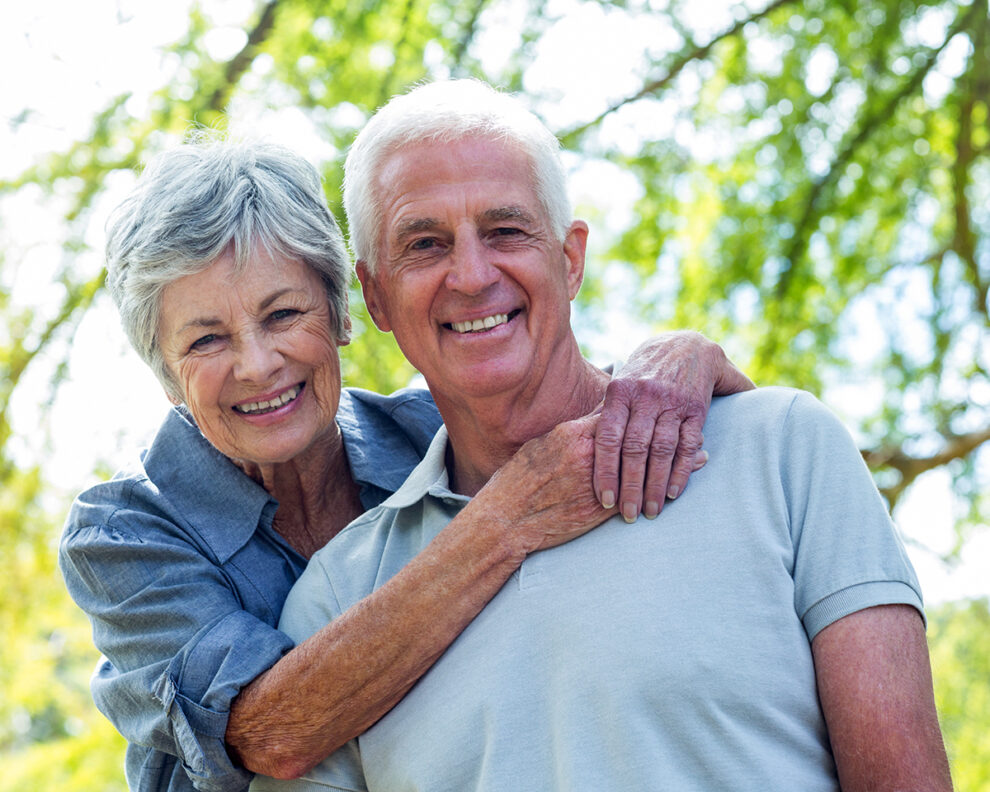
{"type": "Point", "coordinates": [275, 295]}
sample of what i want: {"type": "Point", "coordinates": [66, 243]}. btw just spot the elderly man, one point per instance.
{"type": "Point", "coordinates": [765, 634]}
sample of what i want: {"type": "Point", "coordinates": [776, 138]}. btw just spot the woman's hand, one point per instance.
{"type": "Point", "coordinates": [542, 496]}
{"type": "Point", "coordinates": [650, 434]}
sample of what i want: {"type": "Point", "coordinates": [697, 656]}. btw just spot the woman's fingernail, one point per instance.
{"type": "Point", "coordinates": [629, 512]}
{"type": "Point", "coordinates": [651, 509]}
{"type": "Point", "coordinates": [608, 499]}
{"type": "Point", "coordinates": [673, 491]}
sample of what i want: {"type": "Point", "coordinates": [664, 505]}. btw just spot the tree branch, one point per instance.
{"type": "Point", "coordinates": [964, 240]}
{"type": "Point", "coordinates": [698, 53]}
{"type": "Point", "coordinates": [911, 467]}
{"type": "Point", "coordinates": [385, 90]}
{"type": "Point", "coordinates": [866, 129]}
{"type": "Point", "coordinates": [470, 30]}
{"type": "Point", "coordinates": [19, 357]}
{"type": "Point", "coordinates": [239, 64]}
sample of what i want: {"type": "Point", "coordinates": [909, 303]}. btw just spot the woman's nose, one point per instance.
{"type": "Point", "coordinates": [258, 358]}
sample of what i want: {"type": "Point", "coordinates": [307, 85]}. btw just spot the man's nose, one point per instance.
{"type": "Point", "coordinates": [258, 358]}
{"type": "Point", "coordinates": [472, 266]}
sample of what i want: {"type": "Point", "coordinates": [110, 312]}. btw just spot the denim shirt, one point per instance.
{"type": "Point", "coordinates": [178, 567]}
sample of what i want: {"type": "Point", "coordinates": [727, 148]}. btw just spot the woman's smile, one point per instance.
{"type": "Point", "coordinates": [267, 405]}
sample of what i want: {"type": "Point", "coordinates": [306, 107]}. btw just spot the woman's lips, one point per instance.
{"type": "Point", "coordinates": [262, 407]}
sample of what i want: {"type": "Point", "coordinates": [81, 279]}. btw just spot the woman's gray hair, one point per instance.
{"type": "Point", "coordinates": [444, 112]}
{"type": "Point", "coordinates": [195, 202]}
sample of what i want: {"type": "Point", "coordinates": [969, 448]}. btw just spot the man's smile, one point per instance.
{"type": "Point", "coordinates": [485, 323]}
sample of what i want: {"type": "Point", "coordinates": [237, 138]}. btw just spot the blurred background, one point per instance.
{"type": "Point", "coordinates": [805, 181]}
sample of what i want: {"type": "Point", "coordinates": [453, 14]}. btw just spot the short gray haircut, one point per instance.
{"type": "Point", "coordinates": [196, 201]}
{"type": "Point", "coordinates": [445, 112]}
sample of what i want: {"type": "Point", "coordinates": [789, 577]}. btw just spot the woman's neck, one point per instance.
{"type": "Point", "coordinates": [316, 493]}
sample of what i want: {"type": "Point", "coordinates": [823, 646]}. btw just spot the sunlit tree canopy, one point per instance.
{"type": "Point", "coordinates": [805, 181]}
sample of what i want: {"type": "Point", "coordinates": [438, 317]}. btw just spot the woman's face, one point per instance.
{"type": "Point", "coordinates": [254, 355]}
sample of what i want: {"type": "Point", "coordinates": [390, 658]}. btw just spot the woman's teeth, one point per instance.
{"type": "Point", "coordinates": [258, 408]}
{"type": "Point", "coordinates": [480, 324]}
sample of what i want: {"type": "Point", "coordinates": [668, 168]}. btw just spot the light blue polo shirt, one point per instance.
{"type": "Point", "coordinates": [664, 655]}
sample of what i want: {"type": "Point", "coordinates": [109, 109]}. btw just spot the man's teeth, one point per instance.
{"type": "Point", "coordinates": [257, 408]}
{"type": "Point", "coordinates": [480, 324]}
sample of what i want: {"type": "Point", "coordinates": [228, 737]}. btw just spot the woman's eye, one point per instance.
{"type": "Point", "coordinates": [283, 313]}
{"type": "Point", "coordinates": [204, 341]}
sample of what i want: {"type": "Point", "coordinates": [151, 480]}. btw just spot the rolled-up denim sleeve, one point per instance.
{"type": "Point", "coordinates": [178, 644]}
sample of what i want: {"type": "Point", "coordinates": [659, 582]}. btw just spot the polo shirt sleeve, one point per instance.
{"type": "Point", "coordinates": [178, 645]}
{"type": "Point", "coordinates": [847, 552]}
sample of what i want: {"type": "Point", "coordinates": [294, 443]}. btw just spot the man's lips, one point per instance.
{"type": "Point", "coordinates": [262, 407]}
{"type": "Point", "coordinates": [485, 323]}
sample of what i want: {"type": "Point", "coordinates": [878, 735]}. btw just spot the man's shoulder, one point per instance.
{"type": "Point", "coordinates": [770, 405]}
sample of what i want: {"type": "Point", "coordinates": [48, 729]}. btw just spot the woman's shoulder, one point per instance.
{"type": "Point", "coordinates": [179, 484]}
{"type": "Point", "coordinates": [407, 415]}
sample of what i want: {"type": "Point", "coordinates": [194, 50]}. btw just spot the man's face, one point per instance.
{"type": "Point", "coordinates": [472, 281]}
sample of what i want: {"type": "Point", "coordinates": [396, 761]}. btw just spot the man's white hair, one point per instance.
{"type": "Point", "coordinates": [445, 112]}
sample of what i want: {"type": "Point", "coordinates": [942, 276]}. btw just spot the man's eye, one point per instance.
{"type": "Point", "coordinates": [507, 231]}
{"type": "Point", "coordinates": [423, 244]}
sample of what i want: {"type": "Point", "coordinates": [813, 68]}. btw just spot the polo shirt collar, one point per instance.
{"type": "Point", "coordinates": [429, 477]}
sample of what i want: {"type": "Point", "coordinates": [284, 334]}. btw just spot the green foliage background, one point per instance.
{"type": "Point", "coordinates": [812, 190]}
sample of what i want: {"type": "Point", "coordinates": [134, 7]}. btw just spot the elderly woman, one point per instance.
{"type": "Point", "coordinates": [231, 278]}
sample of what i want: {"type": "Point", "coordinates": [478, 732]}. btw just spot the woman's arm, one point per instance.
{"type": "Point", "coordinates": [173, 631]}
{"type": "Point", "coordinates": [340, 681]}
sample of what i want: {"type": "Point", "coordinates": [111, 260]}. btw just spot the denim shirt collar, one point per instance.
{"type": "Point", "coordinates": [378, 458]}
{"type": "Point", "coordinates": [224, 506]}
{"type": "Point", "coordinates": [217, 499]}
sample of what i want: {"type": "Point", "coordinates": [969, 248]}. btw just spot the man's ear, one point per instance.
{"type": "Point", "coordinates": [575, 244]}
{"type": "Point", "coordinates": [373, 297]}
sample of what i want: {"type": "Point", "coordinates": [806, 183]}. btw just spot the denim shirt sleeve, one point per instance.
{"type": "Point", "coordinates": [178, 644]}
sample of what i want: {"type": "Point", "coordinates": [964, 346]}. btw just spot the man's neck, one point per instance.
{"type": "Point", "coordinates": [485, 432]}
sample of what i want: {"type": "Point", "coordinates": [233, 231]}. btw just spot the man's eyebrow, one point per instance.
{"type": "Point", "coordinates": [413, 226]}
{"type": "Point", "coordinates": [503, 213]}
